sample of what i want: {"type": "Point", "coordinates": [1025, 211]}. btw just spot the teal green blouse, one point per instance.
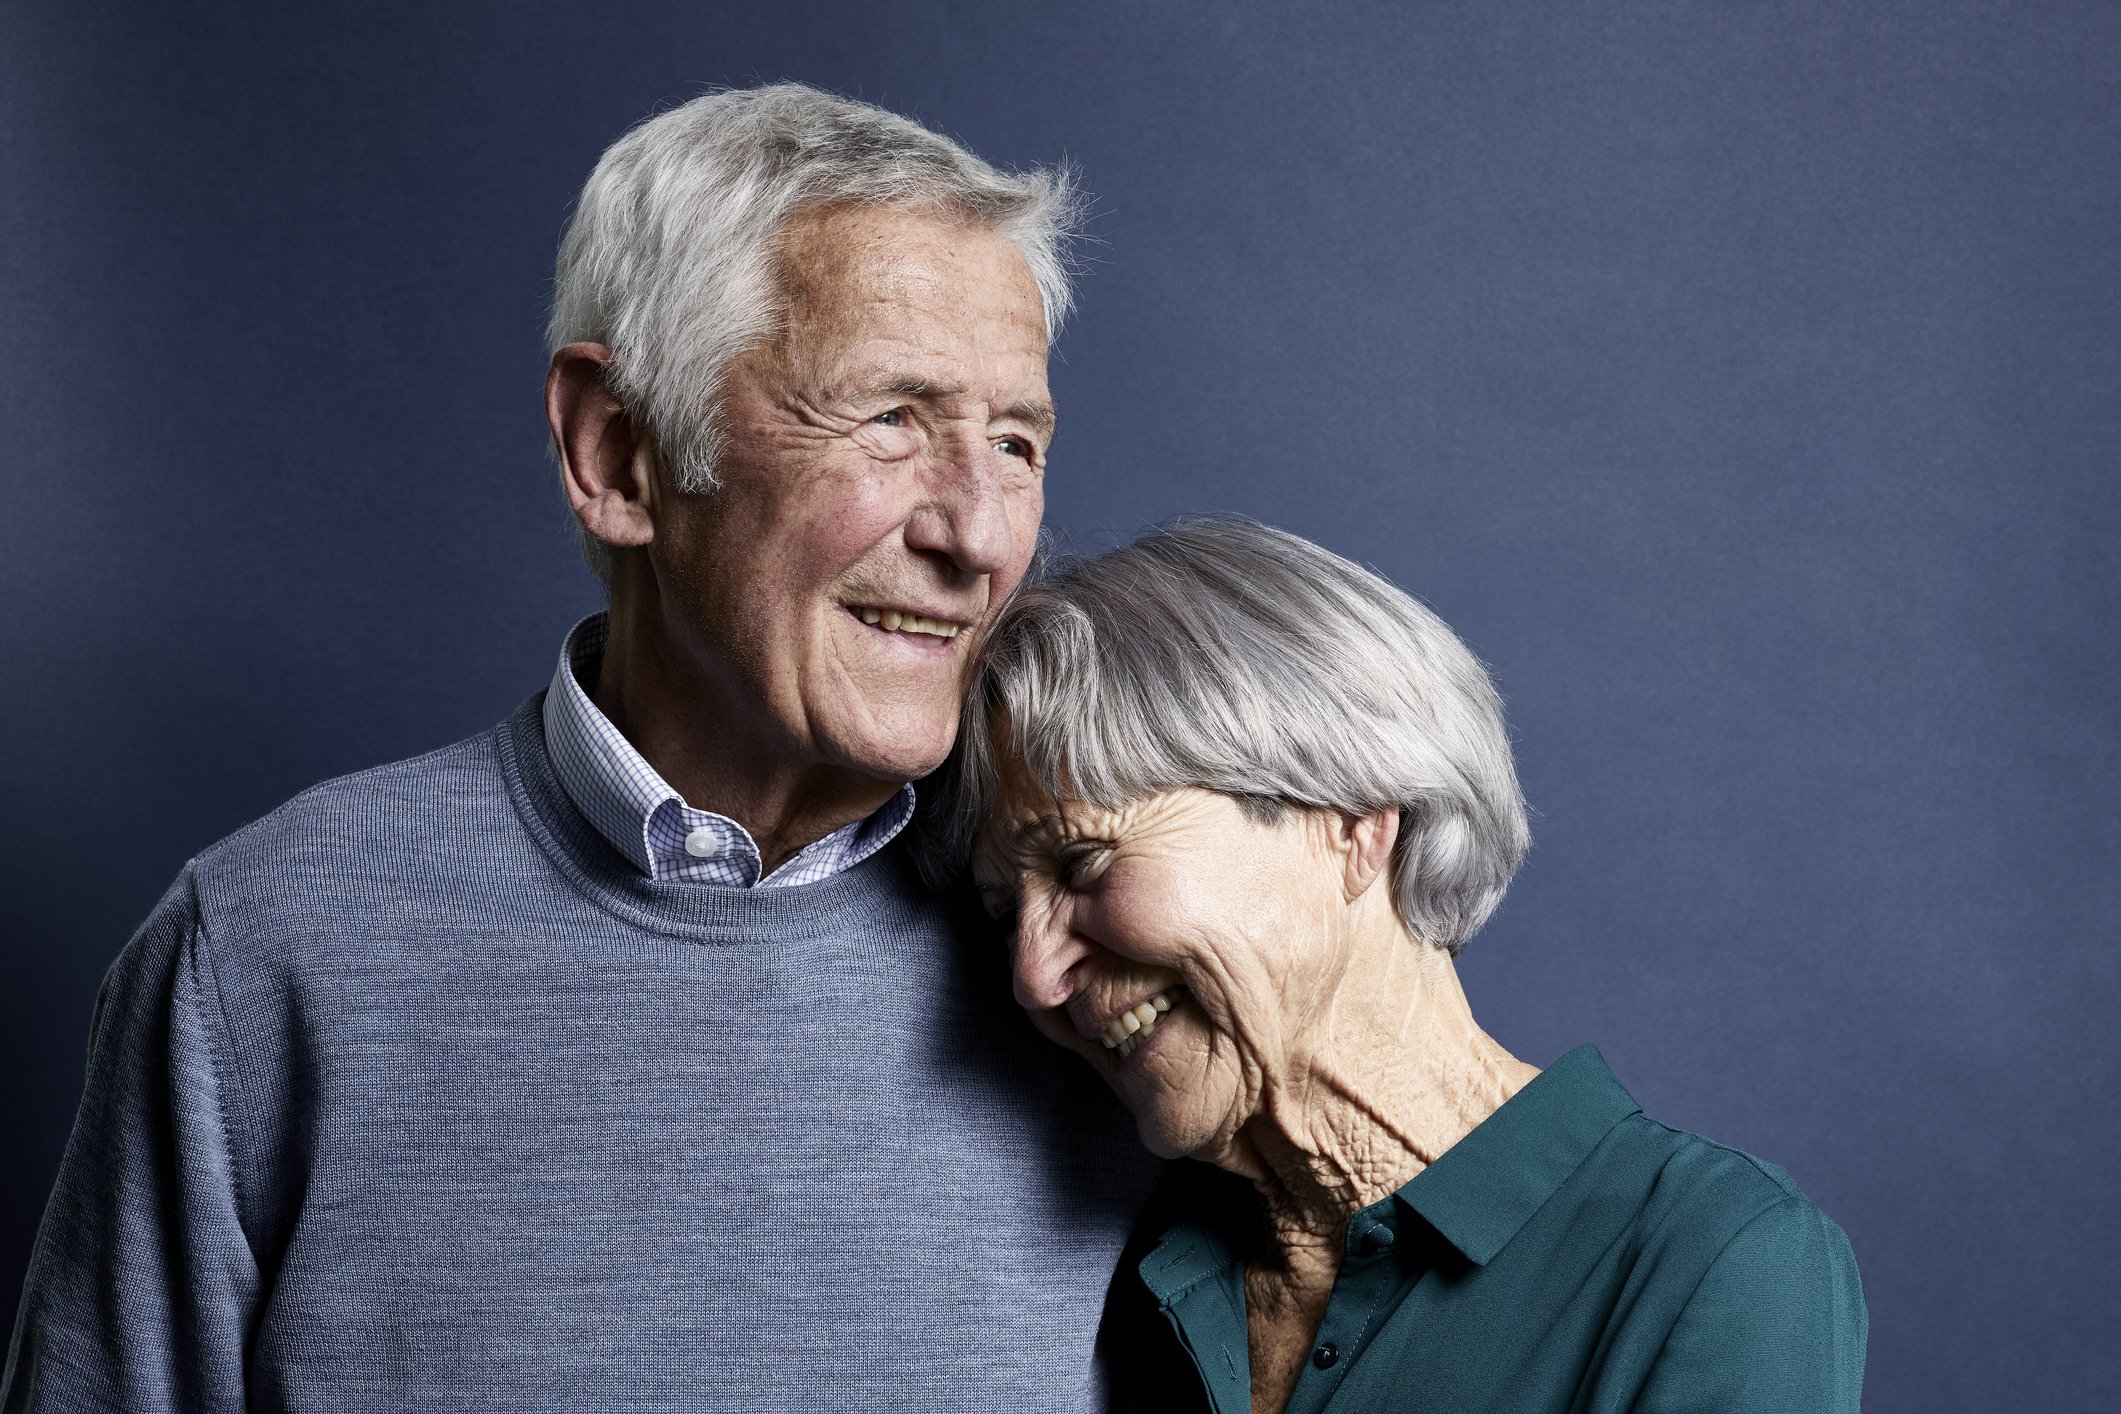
{"type": "Point", "coordinates": [1568, 1254]}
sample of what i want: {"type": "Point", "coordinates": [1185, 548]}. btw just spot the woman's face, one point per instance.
{"type": "Point", "coordinates": [1224, 939]}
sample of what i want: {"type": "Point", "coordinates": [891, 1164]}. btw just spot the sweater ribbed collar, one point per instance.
{"type": "Point", "coordinates": [886, 880]}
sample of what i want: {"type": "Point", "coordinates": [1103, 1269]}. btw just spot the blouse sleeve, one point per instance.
{"type": "Point", "coordinates": [1777, 1325]}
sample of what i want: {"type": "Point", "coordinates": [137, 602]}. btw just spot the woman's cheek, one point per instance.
{"type": "Point", "coordinates": [1151, 920]}
{"type": "Point", "coordinates": [1054, 1026]}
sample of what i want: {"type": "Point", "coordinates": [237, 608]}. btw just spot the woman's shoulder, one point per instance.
{"type": "Point", "coordinates": [1720, 1206]}
{"type": "Point", "coordinates": [1749, 1290]}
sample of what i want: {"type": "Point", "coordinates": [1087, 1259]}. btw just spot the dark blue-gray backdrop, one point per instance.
{"type": "Point", "coordinates": [1743, 382]}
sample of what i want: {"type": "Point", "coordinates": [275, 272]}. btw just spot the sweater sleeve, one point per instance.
{"type": "Point", "coordinates": [142, 1286]}
{"type": "Point", "coordinates": [1776, 1326]}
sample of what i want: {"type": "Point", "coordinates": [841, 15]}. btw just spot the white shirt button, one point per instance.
{"type": "Point", "coordinates": [703, 843]}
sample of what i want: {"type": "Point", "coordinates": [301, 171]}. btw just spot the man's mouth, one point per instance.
{"type": "Point", "coordinates": [905, 621]}
{"type": "Point", "coordinates": [1132, 1026]}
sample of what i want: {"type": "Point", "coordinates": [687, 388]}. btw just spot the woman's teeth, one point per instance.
{"type": "Point", "coordinates": [1133, 1026]}
{"type": "Point", "coordinates": [893, 621]}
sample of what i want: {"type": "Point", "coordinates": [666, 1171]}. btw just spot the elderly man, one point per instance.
{"type": "Point", "coordinates": [615, 1058]}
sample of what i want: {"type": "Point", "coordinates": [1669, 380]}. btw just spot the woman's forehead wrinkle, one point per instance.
{"type": "Point", "coordinates": [1018, 827]}
{"type": "Point", "coordinates": [1030, 831]}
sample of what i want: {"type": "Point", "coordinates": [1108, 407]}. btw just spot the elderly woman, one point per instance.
{"type": "Point", "coordinates": [1244, 802]}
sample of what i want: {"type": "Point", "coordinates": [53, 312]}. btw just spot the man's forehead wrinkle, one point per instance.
{"type": "Point", "coordinates": [892, 253]}
{"type": "Point", "coordinates": [879, 279]}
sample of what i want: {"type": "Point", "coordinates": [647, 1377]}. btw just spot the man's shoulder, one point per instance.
{"type": "Point", "coordinates": [382, 804]}
{"type": "Point", "coordinates": [390, 831]}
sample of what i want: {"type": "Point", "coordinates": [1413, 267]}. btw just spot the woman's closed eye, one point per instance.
{"type": "Point", "coordinates": [1082, 865]}
{"type": "Point", "coordinates": [1073, 868]}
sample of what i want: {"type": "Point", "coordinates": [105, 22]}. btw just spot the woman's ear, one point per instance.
{"type": "Point", "coordinates": [1368, 845]}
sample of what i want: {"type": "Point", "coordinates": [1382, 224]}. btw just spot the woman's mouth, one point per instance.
{"type": "Point", "coordinates": [1132, 1027]}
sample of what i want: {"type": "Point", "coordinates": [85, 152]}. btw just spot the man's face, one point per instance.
{"type": "Point", "coordinates": [884, 466]}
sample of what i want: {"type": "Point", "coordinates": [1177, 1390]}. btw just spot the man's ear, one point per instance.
{"type": "Point", "coordinates": [607, 465]}
{"type": "Point", "coordinates": [1368, 840]}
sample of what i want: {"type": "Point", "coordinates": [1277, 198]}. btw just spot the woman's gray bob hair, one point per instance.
{"type": "Point", "coordinates": [1224, 654]}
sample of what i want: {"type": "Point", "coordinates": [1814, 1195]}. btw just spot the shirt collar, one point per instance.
{"type": "Point", "coordinates": [635, 809]}
{"type": "Point", "coordinates": [1477, 1194]}
{"type": "Point", "coordinates": [1487, 1185]}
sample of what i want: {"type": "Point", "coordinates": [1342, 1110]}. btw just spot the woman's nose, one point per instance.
{"type": "Point", "coordinates": [1045, 956]}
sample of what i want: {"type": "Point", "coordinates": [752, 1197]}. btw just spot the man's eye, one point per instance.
{"type": "Point", "coordinates": [1014, 447]}
{"type": "Point", "coordinates": [894, 418]}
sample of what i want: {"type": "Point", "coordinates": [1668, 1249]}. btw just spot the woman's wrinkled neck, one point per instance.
{"type": "Point", "coordinates": [1398, 1073]}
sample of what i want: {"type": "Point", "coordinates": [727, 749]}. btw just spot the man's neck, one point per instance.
{"type": "Point", "coordinates": [710, 752]}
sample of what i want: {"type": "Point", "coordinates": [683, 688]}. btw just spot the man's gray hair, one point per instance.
{"type": "Point", "coordinates": [1220, 653]}
{"type": "Point", "coordinates": [669, 258]}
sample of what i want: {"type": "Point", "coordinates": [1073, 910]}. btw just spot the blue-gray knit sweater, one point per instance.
{"type": "Point", "coordinates": [413, 1095]}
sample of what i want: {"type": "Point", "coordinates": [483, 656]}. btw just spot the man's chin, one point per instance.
{"type": "Point", "coordinates": [897, 759]}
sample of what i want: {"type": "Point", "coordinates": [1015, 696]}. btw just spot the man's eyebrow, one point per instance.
{"type": "Point", "coordinates": [1035, 411]}
{"type": "Point", "coordinates": [881, 383]}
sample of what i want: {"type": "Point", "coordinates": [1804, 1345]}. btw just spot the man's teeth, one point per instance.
{"type": "Point", "coordinates": [1130, 1028]}
{"type": "Point", "coordinates": [897, 622]}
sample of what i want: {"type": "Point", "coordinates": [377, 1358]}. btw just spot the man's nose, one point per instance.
{"type": "Point", "coordinates": [966, 516]}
